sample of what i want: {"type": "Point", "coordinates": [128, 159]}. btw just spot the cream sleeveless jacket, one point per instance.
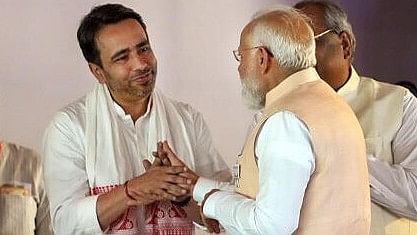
{"type": "Point", "coordinates": [336, 200]}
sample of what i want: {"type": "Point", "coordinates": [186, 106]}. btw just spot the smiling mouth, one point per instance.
{"type": "Point", "coordinates": [143, 79]}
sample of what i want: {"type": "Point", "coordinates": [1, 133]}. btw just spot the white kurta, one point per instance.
{"type": "Point", "coordinates": [91, 146]}
{"type": "Point", "coordinates": [394, 178]}
{"type": "Point", "coordinates": [388, 117]}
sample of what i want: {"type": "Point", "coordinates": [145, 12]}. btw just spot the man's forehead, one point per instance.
{"type": "Point", "coordinates": [119, 32]}
{"type": "Point", "coordinates": [245, 35]}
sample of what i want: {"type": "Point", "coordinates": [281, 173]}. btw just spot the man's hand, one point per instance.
{"type": "Point", "coordinates": [165, 152]}
{"type": "Point", "coordinates": [158, 183]}
{"type": "Point", "coordinates": [194, 212]}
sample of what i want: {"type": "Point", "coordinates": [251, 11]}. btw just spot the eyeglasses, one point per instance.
{"type": "Point", "coordinates": [323, 33]}
{"type": "Point", "coordinates": [238, 55]}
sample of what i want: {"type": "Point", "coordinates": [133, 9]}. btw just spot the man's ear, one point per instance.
{"type": "Point", "coordinates": [98, 72]}
{"type": "Point", "coordinates": [264, 60]}
{"type": "Point", "coordinates": [346, 45]}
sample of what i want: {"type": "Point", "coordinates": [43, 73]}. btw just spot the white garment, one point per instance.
{"type": "Point", "coordinates": [286, 162]}
{"type": "Point", "coordinates": [91, 150]}
{"type": "Point", "coordinates": [395, 186]}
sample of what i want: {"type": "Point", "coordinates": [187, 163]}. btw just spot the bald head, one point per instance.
{"type": "Point", "coordinates": [287, 35]}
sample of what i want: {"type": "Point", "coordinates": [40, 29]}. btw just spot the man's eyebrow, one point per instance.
{"type": "Point", "coordinates": [141, 44]}
{"type": "Point", "coordinates": [123, 51]}
{"type": "Point", "coordinates": [118, 53]}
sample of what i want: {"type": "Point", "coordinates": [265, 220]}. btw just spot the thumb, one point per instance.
{"type": "Point", "coordinates": [171, 155]}
{"type": "Point", "coordinates": [146, 164]}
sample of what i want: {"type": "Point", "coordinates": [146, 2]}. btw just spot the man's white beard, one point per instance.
{"type": "Point", "coordinates": [252, 94]}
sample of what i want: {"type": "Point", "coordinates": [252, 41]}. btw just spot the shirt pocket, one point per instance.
{"type": "Point", "coordinates": [18, 211]}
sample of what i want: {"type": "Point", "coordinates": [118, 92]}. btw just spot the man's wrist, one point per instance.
{"type": "Point", "coordinates": [202, 187]}
{"type": "Point", "coordinates": [126, 190]}
{"type": "Point", "coordinates": [205, 199]}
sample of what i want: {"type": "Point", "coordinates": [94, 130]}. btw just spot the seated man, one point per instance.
{"type": "Point", "coordinates": [24, 207]}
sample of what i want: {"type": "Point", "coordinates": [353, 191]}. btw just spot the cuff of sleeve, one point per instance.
{"type": "Point", "coordinates": [202, 187]}
{"type": "Point", "coordinates": [209, 208]}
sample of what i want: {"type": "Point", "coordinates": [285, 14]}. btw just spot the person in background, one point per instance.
{"type": "Point", "coordinates": [303, 166]}
{"type": "Point", "coordinates": [387, 114]}
{"type": "Point", "coordinates": [24, 206]}
{"type": "Point", "coordinates": [94, 148]}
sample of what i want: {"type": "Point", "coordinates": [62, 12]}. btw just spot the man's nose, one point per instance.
{"type": "Point", "coordinates": [139, 62]}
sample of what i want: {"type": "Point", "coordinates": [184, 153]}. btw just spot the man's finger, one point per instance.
{"type": "Point", "coordinates": [175, 170]}
{"type": "Point", "coordinates": [166, 161]}
{"type": "Point", "coordinates": [157, 162]}
{"type": "Point", "coordinates": [177, 191]}
{"type": "Point", "coordinates": [162, 157]}
{"type": "Point", "coordinates": [171, 155]}
{"type": "Point", "coordinates": [146, 164]}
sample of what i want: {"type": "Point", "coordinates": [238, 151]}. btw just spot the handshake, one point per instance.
{"type": "Point", "coordinates": [168, 178]}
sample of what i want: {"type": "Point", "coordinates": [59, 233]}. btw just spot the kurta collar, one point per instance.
{"type": "Point", "coordinates": [352, 83]}
{"type": "Point", "coordinates": [121, 113]}
{"type": "Point", "coordinates": [291, 83]}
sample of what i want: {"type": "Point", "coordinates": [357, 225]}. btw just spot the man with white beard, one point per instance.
{"type": "Point", "coordinates": [303, 166]}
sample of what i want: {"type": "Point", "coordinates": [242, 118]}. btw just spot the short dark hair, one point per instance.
{"type": "Point", "coordinates": [99, 17]}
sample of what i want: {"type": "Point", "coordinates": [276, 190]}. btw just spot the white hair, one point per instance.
{"type": "Point", "coordinates": [290, 47]}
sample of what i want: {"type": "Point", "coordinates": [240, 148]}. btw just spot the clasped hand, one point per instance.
{"type": "Point", "coordinates": [165, 179]}
{"type": "Point", "coordinates": [164, 156]}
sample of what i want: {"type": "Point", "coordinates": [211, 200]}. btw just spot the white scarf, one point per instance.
{"type": "Point", "coordinates": [107, 149]}
{"type": "Point", "coordinates": [110, 160]}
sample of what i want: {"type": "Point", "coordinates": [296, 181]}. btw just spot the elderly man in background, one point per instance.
{"type": "Point", "coordinates": [303, 168]}
{"type": "Point", "coordinates": [24, 207]}
{"type": "Point", "coordinates": [387, 114]}
{"type": "Point", "coordinates": [94, 147]}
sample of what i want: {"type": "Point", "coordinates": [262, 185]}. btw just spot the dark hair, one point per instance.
{"type": "Point", "coordinates": [409, 85]}
{"type": "Point", "coordinates": [99, 17]}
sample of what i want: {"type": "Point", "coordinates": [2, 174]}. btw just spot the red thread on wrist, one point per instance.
{"type": "Point", "coordinates": [127, 191]}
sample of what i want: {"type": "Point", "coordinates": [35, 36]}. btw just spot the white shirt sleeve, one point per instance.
{"type": "Point", "coordinates": [73, 211]}
{"type": "Point", "coordinates": [395, 186]}
{"type": "Point", "coordinates": [286, 162]}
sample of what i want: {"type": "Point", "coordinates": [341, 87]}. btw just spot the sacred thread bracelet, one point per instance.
{"type": "Point", "coordinates": [127, 191]}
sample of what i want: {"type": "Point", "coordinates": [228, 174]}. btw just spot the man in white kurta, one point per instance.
{"type": "Point", "coordinates": [95, 146]}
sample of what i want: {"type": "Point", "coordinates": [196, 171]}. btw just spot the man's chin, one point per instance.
{"type": "Point", "coordinates": [252, 103]}
{"type": "Point", "coordinates": [144, 90]}
{"type": "Point", "coordinates": [255, 107]}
